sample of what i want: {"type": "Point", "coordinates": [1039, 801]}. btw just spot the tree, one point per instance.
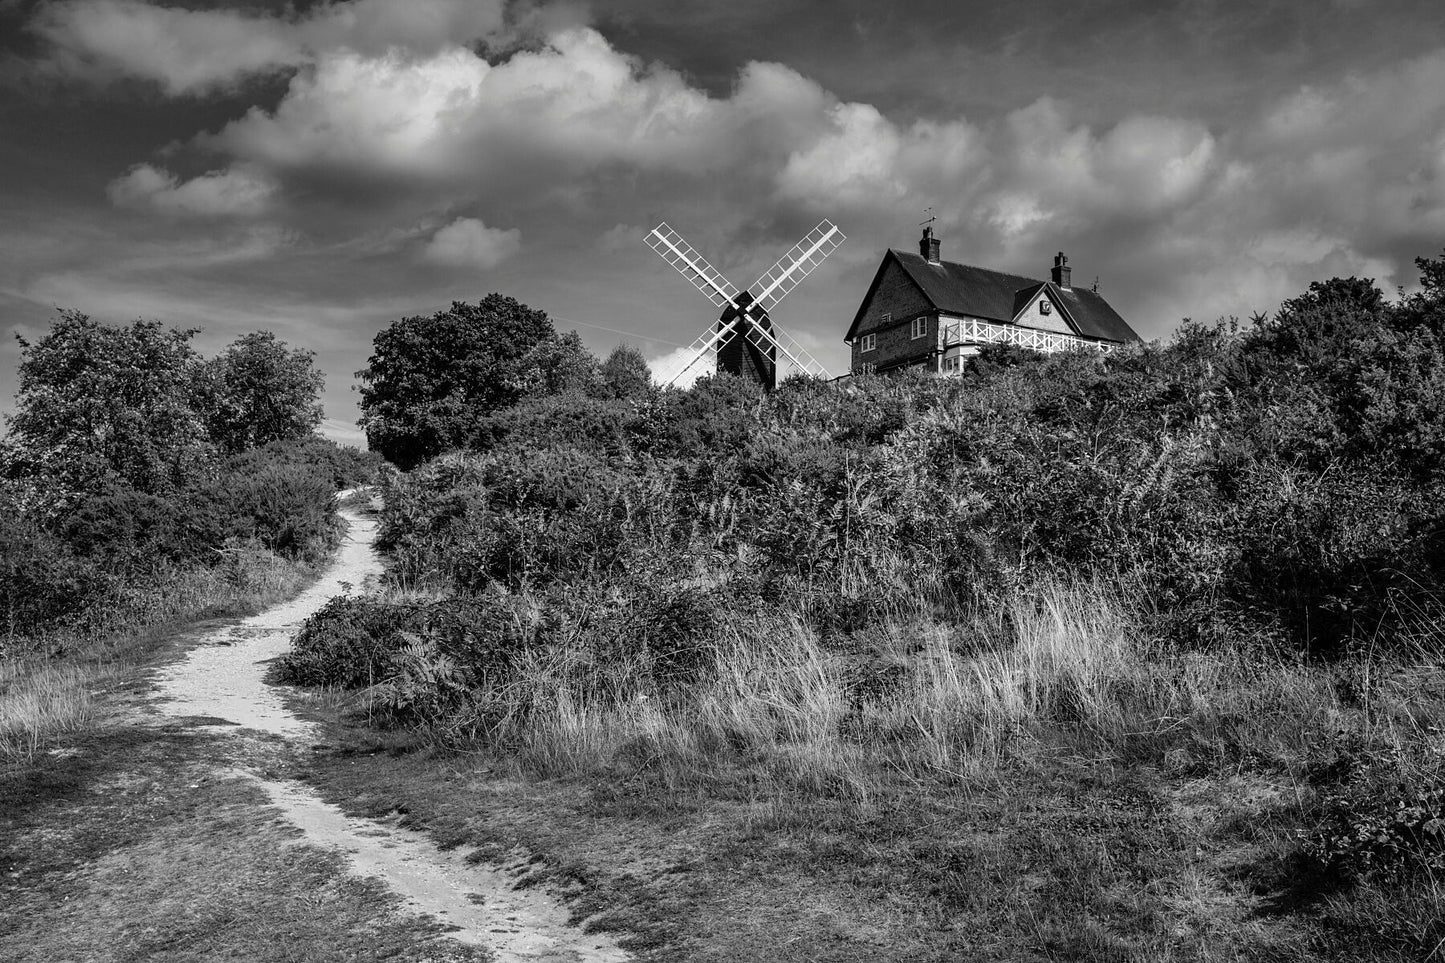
{"type": "Point", "coordinates": [625, 373]}
{"type": "Point", "coordinates": [260, 391]}
{"type": "Point", "coordinates": [557, 365]}
{"type": "Point", "coordinates": [430, 379]}
{"type": "Point", "coordinates": [1425, 308]}
{"type": "Point", "coordinates": [97, 404]}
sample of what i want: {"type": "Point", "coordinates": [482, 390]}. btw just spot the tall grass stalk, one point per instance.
{"type": "Point", "coordinates": [1064, 664]}
{"type": "Point", "coordinates": [38, 703]}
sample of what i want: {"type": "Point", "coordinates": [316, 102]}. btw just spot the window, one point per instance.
{"type": "Point", "coordinates": [887, 318]}
{"type": "Point", "coordinates": [870, 341]}
{"type": "Point", "coordinates": [920, 327]}
{"type": "Point", "coordinates": [950, 365]}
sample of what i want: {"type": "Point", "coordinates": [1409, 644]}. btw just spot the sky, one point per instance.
{"type": "Point", "coordinates": [322, 169]}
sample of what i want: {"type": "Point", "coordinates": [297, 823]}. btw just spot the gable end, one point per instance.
{"type": "Point", "coordinates": [893, 292]}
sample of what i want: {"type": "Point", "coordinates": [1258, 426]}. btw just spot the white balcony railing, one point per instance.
{"type": "Point", "coordinates": [965, 332]}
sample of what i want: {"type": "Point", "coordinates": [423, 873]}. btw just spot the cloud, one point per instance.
{"type": "Point", "coordinates": [669, 366]}
{"type": "Point", "coordinates": [387, 114]}
{"type": "Point", "coordinates": [1054, 172]}
{"type": "Point", "coordinates": [621, 238]}
{"type": "Point", "coordinates": [190, 52]}
{"type": "Point", "coordinates": [343, 432]}
{"type": "Point", "coordinates": [467, 242]}
{"type": "Point", "coordinates": [419, 26]}
{"type": "Point", "coordinates": [228, 193]}
{"type": "Point", "coordinates": [184, 51]}
{"type": "Point", "coordinates": [574, 106]}
{"type": "Point", "coordinates": [391, 117]}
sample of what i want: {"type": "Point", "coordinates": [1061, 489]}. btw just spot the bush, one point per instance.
{"type": "Point", "coordinates": [342, 465]}
{"type": "Point", "coordinates": [1277, 483]}
{"type": "Point", "coordinates": [42, 583]}
{"type": "Point", "coordinates": [1382, 838]}
{"type": "Point", "coordinates": [289, 509]}
{"type": "Point", "coordinates": [349, 643]}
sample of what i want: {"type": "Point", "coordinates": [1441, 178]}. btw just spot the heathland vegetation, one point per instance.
{"type": "Point", "coordinates": [1134, 656]}
{"type": "Point", "coordinates": [142, 484]}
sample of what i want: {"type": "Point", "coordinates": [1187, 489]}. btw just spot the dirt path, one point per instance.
{"type": "Point", "coordinates": [221, 677]}
{"type": "Point", "coordinates": [174, 833]}
{"type": "Point", "coordinates": [220, 685]}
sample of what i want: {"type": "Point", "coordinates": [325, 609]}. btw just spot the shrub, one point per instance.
{"type": "Point", "coordinates": [1275, 483]}
{"type": "Point", "coordinates": [353, 642]}
{"type": "Point", "coordinates": [349, 643]}
{"type": "Point", "coordinates": [1380, 837]}
{"type": "Point", "coordinates": [342, 465]}
{"type": "Point", "coordinates": [289, 509]}
{"type": "Point", "coordinates": [42, 583]}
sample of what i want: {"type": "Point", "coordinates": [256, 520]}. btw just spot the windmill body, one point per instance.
{"type": "Point", "coordinates": [742, 353]}
{"type": "Point", "coordinates": [745, 341]}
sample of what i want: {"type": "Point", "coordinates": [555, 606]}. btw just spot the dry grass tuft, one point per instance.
{"type": "Point", "coordinates": [950, 701]}
{"type": "Point", "coordinates": [38, 703]}
{"type": "Point", "coordinates": [1065, 665]}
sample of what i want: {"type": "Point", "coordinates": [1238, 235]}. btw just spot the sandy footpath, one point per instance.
{"type": "Point", "coordinates": [220, 683]}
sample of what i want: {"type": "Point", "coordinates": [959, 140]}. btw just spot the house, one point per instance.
{"type": "Point", "coordinates": [924, 312]}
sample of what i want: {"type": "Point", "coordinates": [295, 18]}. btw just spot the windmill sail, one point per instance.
{"type": "Point", "coordinates": [746, 342]}
{"type": "Point", "coordinates": [800, 359]}
{"type": "Point", "coordinates": [705, 344]}
{"type": "Point", "coordinates": [675, 251]}
{"type": "Point", "coordinates": [804, 258]}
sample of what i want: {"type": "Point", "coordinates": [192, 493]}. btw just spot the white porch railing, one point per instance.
{"type": "Point", "coordinates": [961, 332]}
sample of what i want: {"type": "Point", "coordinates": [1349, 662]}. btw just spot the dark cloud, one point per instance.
{"type": "Point", "coordinates": [320, 170]}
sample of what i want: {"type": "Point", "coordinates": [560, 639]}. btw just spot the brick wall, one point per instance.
{"type": "Point", "coordinates": [897, 346]}
{"type": "Point", "coordinates": [897, 295]}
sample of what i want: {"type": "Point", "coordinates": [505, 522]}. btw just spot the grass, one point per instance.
{"type": "Point", "coordinates": [140, 846]}
{"type": "Point", "coordinates": [1048, 782]}
{"type": "Point", "coordinates": [1065, 666]}
{"type": "Point", "coordinates": [38, 705]}
{"type": "Point", "coordinates": [136, 840]}
{"type": "Point", "coordinates": [48, 685]}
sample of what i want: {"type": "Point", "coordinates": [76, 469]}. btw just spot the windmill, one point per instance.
{"type": "Point", "coordinates": [745, 341]}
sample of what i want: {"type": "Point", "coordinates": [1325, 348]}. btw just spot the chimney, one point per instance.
{"type": "Point", "coordinates": [928, 246]}
{"type": "Point", "coordinates": [1062, 271]}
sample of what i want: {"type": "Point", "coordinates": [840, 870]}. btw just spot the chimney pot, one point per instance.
{"type": "Point", "coordinates": [1062, 273]}
{"type": "Point", "coordinates": [928, 246]}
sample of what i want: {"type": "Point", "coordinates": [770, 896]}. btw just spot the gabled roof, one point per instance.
{"type": "Point", "coordinates": [1092, 315]}
{"type": "Point", "coordinates": [995, 296]}
{"type": "Point", "coordinates": [964, 289]}
{"type": "Point", "coordinates": [1023, 296]}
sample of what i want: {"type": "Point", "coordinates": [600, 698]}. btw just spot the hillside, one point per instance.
{"type": "Point", "coordinates": [1132, 656]}
{"type": "Point", "coordinates": [1123, 657]}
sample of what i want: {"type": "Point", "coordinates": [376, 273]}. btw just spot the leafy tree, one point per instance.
{"type": "Point", "coordinates": [1425, 308]}
{"type": "Point", "coordinates": [260, 392]}
{"type": "Point", "coordinates": [99, 403]}
{"type": "Point", "coordinates": [625, 373]}
{"type": "Point", "coordinates": [431, 378]}
{"type": "Point", "coordinates": [556, 365]}
{"type": "Point", "coordinates": [1432, 275]}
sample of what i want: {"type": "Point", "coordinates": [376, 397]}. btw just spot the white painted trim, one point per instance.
{"type": "Point", "coordinates": [972, 331]}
